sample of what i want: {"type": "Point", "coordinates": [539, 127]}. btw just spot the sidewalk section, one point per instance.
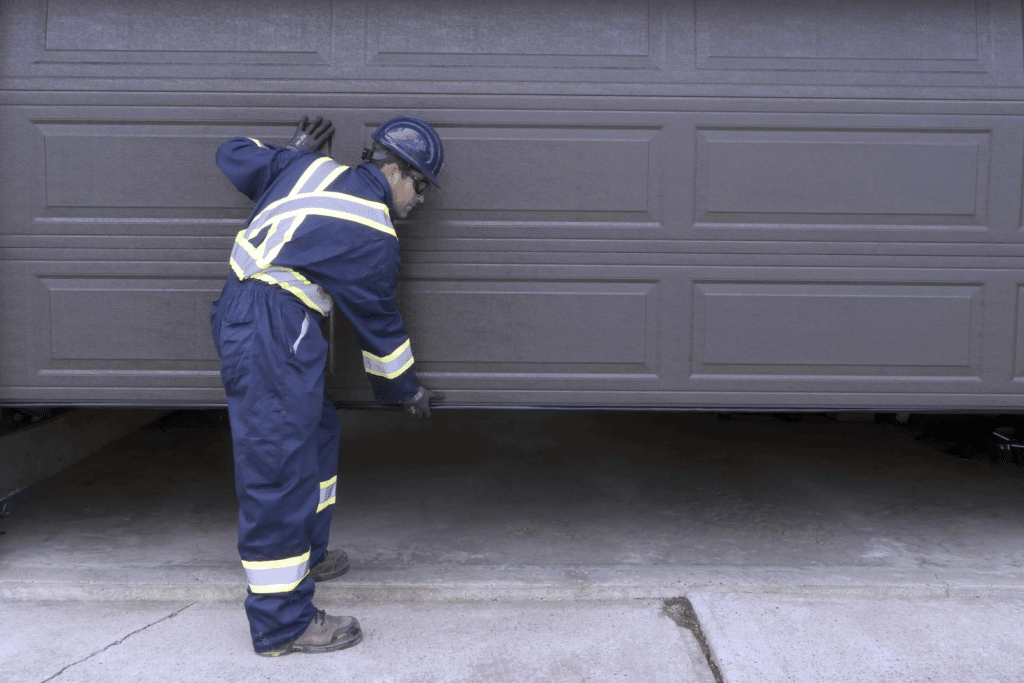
{"type": "Point", "coordinates": [604, 642]}
{"type": "Point", "coordinates": [782, 638]}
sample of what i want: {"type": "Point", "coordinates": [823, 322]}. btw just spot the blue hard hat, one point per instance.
{"type": "Point", "coordinates": [415, 141]}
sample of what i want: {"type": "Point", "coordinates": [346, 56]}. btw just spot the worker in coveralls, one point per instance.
{"type": "Point", "coordinates": [319, 238]}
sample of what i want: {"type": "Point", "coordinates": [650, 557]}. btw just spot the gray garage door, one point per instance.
{"type": "Point", "coordinates": [691, 203]}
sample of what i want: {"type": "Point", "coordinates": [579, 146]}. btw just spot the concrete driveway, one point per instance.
{"type": "Point", "coordinates": [549, 545]}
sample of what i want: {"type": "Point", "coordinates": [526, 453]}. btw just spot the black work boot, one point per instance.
{"type": "Point", "coordinates": [325, 633]}
{"type": "Point", "coordinates": [334, 564]}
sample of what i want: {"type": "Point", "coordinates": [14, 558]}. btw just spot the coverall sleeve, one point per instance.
{"type": "Point", "coordinates": [252, 165]}
{"type": "Point", "coordinates": [364, 291]}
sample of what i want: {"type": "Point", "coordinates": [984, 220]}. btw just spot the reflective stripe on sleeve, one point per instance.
{"type": "Point", "coordinates": [276, 576]}
{"type": "Point", "coordinates": [327, 492]}
{"type": "Point", "coordinates": [389, 366]}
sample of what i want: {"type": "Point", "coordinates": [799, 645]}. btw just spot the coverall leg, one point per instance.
{"type": "Point", "coordinates": [328, 444]}
{"type": "Point", "coordinates": [272, 364]}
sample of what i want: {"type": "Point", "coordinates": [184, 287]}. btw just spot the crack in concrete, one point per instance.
{"type": "Point", "coordinates": [680, 610]}
{"type": "Point", "coordinates": [118, 642]}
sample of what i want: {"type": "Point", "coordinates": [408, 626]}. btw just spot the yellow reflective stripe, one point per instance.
{"type": "Point", "coordinates": [262, 259]}
{"type": "Point", "coordinates": [309, 204]}
{"type": "Point", "coordinates": [391, 356]}
{"type": "Point", "coordinates": [245, 266]}
{"type": "Point", "coordinates": [318, 177]}
{"type": "Point", "coordinates": [257, 224]}
{"type": "Point", "coordinates": [273, 209]}
{"type": "Point", "coordinates": [327, 493]}
{"type": "Point", "coordinates": [258, 143]}
{"type": "Point", "coordinates": [292, 289]}
{"type": "Point", "coordinates": [247, 246]}
{"type": "Point", "coordinates": [253, 231]}
{"type": "Point", "coordinates": [299, 186]}
{"type": "Point", "coordinates": [320, 306]}
{"type": "Point", "coordinates": [239, 273]}
{"type": "Point", "coordinates": [390, 366]}
{"type": "Point", "coordinates": [268, 257]}
{"type": "Point", "coordinates": [270, 226]}
{"type": "Point", "coordinates": [276, 576]}
{"type": "Point", "coordinates": [365, 202]}
{"type": "Point", "coordinates": [359, 219]}
{"type": "Point", "coordinates": [277, 564]}
{"type": "Point", "coordinates": [282, 218]}
{"type": "Point", "coordinates": [296, 221]}
{"type": "Point", "coordinates": [331, 177]}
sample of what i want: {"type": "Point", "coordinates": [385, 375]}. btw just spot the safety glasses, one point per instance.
{"type": "Point", "coordinates": [419, 183]}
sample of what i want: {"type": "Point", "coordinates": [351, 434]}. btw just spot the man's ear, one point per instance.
{"type": "Point", "coordinates": [392, 173]}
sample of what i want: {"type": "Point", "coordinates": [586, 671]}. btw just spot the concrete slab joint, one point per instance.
{"type": "Point", "coordinates": [117, 642]}
{"type": "Point", "coordinates": [680, 610]}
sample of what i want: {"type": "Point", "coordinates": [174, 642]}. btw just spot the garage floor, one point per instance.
{"type": "Point", "coordinates": [753, 529]}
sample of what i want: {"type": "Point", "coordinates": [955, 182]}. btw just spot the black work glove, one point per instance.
{"type": "Point", "coordinates": [310, 137]}
{"type": "Point", "coordinates": [419, 404]}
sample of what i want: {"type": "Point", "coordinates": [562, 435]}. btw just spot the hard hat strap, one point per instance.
{"type": "Point", "coordinates": [377, 154]}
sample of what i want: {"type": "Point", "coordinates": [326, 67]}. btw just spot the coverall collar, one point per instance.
{"type": "Point", "coordinates": [378, 183]}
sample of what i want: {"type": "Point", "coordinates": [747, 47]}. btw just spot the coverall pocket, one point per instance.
{"type": "Point", "coordinates": [237, 341]}
{"type": "Point", "coordinates": [307, 346]}
{"type": "Point", "coordinates": [232, 320]}
{"type": "Point", "coordinates": [239, 308]}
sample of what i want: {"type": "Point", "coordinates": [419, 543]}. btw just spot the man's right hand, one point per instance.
{"type": "Point", "coordinates": [310, 137]}
{"type": "Point", "coordinates": [419, 404]}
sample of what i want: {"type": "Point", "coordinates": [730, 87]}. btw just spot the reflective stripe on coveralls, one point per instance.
{"type": "Point", "coordinates": [327, 493]}
{"type": "Point", "coordinates": [390, 366]}
{"type": "Point", "coordinates": [254, 251]}
{"type": "Point", "coordinates": [276, 576]}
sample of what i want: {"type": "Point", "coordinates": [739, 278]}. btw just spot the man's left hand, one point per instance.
{"type": "Point", "coordinates": [310, 137]}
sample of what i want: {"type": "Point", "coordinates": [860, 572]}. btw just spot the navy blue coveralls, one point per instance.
{"type": "Point", "coordinates": [320, 237]}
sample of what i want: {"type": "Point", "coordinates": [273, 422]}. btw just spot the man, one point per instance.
{"type": "Point", "coordinates": [320, 238]}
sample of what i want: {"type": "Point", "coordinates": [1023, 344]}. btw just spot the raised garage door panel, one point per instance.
{"type": "Point", "coordinates": [686, 204]}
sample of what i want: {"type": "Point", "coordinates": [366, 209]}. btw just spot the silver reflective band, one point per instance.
{"type": "Point", "coordinates": [318, 176]}
{"type": "Point", "coordinates": [309, 293]}
{"type": "Point", "coordinates": [276, 576]}
{"type": "Point", "coordinates": [389, 366]}
{"type": "Point", "coordinates": [327, 493]}
{"type": "Point", "coordinates": [330, 204]}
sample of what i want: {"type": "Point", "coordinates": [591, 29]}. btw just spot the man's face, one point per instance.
{"type": "Point", "coordinates": [404, 183]}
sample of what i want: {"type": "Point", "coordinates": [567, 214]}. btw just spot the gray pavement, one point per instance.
{"type": "Point", "coordinates": [844, 639]}
{"type": "Point", "coordinates": [419, 642]}
{"type": "Point", "coordinates": [513, 545]}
